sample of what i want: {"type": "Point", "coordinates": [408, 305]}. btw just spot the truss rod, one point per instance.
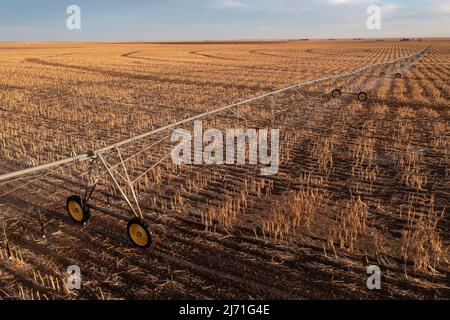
{"type": "Point", "coordinates": [122, 192]}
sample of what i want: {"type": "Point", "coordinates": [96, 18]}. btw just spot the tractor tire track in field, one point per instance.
{"type": "Point", "coordinates": [147, 77]}
{"type": "Point", "coordinates": [131, 55]}
{"type": "Point", "coordinates": [269, 54]}
{"type": "Point", "coordinates": [210, 56]}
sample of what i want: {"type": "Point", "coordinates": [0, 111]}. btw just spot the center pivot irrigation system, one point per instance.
{"type": "Point", "coordinates": [79, 206]}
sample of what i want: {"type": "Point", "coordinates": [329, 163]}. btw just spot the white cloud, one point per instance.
{"type": "Point", "coordinates": [339, 2]}
{"type": "Point", "coordinates": [389, 8]}
{"type": "Point", "coordinates": [231, 4]}
{"type": "Point", "coordinates": [440, 7]}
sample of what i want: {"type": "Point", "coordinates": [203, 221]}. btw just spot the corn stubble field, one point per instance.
{"type": "Point", "coordinates": [360, 183]}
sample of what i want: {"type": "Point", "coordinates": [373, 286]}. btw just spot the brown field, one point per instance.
{"type": "Point", "coordinates": [360, 183]}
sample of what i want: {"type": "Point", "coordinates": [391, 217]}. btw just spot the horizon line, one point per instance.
{"type": "Point", "coordinates": [228, 40]}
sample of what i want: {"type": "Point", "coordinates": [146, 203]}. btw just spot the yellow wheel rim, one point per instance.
{"type": "Point", "coordinates": [139, 235]}
{"type": "Point", "coordinates": [76, 211]}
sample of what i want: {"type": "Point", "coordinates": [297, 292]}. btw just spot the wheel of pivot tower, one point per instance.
{"type": "Point", "coordinates": [77, 210]}
{"type": "Point", "coordinates": [336, 93]}
{"type": "Point", "coordinates": [362, 96]}
{"type": "Point", "coordinates": [398, 75]}
{"type": "Point", "coordinates": [139, 233]}
{"type": "Point", "coordinates": [382, 74]}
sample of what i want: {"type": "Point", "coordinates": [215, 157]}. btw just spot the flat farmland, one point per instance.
{"type": "Point", "coordinates": [360, 183]}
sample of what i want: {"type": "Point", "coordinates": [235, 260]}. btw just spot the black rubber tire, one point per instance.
{"type": "Point", "coordinates": [382, 74]}
{"type": "Point", "coordinates": [398, 76]}
{"type": "Point", "coordinates": [362, 96]}
{"type": "Point", "coordinates": [336, 93]}
{"type": "Point", "coordinates": [145, 227]}
{"type": "Point", "coordinates": [84, 210]}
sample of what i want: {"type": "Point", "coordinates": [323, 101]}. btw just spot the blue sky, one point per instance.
{"type": "Point", "coordinates": [25, 20]}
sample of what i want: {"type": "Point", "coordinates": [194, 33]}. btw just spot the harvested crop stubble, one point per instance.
{"type": "Point", "coordinates": [359, 183]}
